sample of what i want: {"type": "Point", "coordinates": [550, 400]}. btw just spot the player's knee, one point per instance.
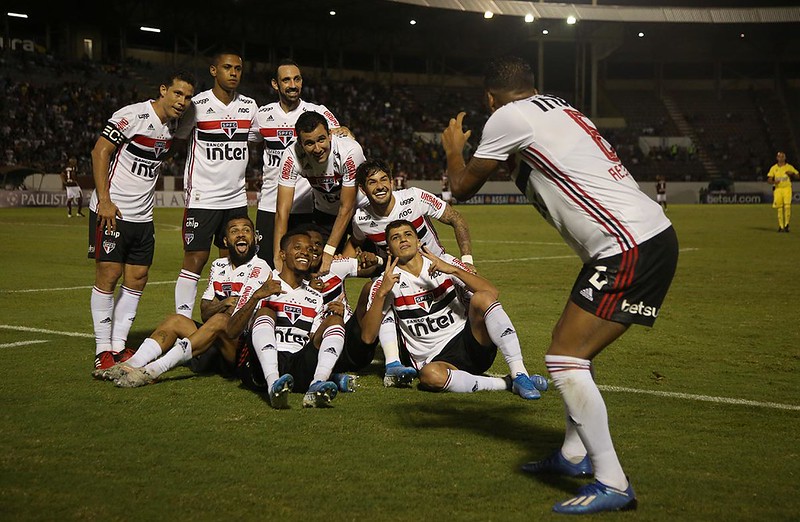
{"type": "Point", "coordinates": [433, 377]}
{"type": "Point", "coordinates": [217, 322]}
{"type": "Point", "coordinates": [482, 300]}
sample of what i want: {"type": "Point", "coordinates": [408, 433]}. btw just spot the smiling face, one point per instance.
{"type": "Point", "coordinates": [317, 143]}
{"type": "Point", "coordinates": [175, 98]}
{"type": "Point", "coordinates": [317, 244]}
{"type": "Point", "coordinates": [241, 241]}
{"type": "Point", "coordinates": [289, 85]}
{"type": "Point", "coordinates": [378, 188]}
{"type": "Point", "coordinates": [402, 242]}
{"type": "Point", "coordinates": [298, 254]}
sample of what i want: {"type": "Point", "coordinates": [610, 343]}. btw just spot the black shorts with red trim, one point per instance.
{"type": "Point", "coordinates": [356, 354]}
{"type": "Point", "coordinates": [202, 225]}
{"type": "Point", "coordinates": [630, 287]}
{"type": "Point", "coordinates": [130, 243]}
{"type": "Point", "coordinates": [301, 365]}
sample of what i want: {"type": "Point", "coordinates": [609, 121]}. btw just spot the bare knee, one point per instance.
{"type": "Point", "coordinates": [433, 377]}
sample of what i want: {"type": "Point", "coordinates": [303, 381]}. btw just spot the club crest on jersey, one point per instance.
{"type": "Point", "coordinates": [227, 289]}
{"type": "Point", "coordinates": [285, 136]}
{"type": "Point", "coordinates": [108, 246]}
{"type": "Point", "coordinates": [293, 313]}
{"type": "Point", "coordinates": [327, 183]}
{"type": "Point", "coordinates": [159, 147]}
{"type": "Point", "coordinates": [229, 128]}
{"type": "Point", "coordinates": [424, 301]}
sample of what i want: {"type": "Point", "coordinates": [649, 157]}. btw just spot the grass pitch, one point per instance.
{"type": "Point", "coordinates": [703, 407]}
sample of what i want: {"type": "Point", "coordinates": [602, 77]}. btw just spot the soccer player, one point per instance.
{"type": "Point", "coordinates": [179, 338]}
{"type": "Point", "coordinates": [780, 177]}
{"type": "Point", "coordinates": [74, 194]}
{"type": "Point", "coordinates": [217, 124]}
{"type": "Point", "coordinates": [329, 163]}
{"type": "Point", "coordinates": [661, 192]}
{"type": "Point", "coordinates": [294, 339]}
{"type": "Point", "coordinates": [450, 340]}
{"type": "Point", "coordinates": [574, 178]}
{"type": "Point", "coordinates": [125, 165]}
{"type": "Point", "coordinates": [274, 124]}
{"type": "Point", "coordinates": [374, 178]}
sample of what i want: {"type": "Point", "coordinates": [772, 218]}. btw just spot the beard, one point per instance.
{"type": "Point", "coordinates": [240, 259]}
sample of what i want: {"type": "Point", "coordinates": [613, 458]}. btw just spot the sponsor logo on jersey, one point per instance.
{"type": "Point", "coordinates": [293, 313]}
{"type": "Point", "coordinates": [638, 309]}
{"type": "Point", "coordinates": [122, 124]}
{"type": "Point", "coordinates": [229, 128]}
{"type": "Point", "coordinates": [403, 284]}
{"type": "Point", "coordinates": [255, 272]}
{"type": "Point", "coordinates": [286, 173]}
{"type": "Point", "coordinates": [270, 117]}
{"type": "Point", "coordinates": [144, 116]}
{"type": "Point", "coordinates": [150, 127]}
{"type": "Point", "coordinates": [431, 200]}
{"type": "Point", "coordinates": [108, 246]}
{"type": "Point", "coordinates": [191, 223]}
{"type": "Point", "coordinates": [244, 110]}
{"type": "Point", "coordinates": [285, 135]}
{"type": "Point", "coordinates": [588, 294]}
{"type": "Point", "coordinates": [159, 147]}
{"type": "Point", "coordinates": [406, 202]}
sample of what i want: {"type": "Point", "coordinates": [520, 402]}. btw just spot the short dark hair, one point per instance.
{"type": "Point", "coordinates": [397, 223]}
{"type": "Point", "coordinates": [305, 228]}
{"type": "Point", "coordinates": [180, 76]}
{"type": "Point", "coordinates": [289, 235]}
{"type": "Point", "coordinates": [224, 51]}
{"type": "Point", "coordinates": [308, 121]}
{"type": "Point", "coordinates": [370, 167]}
{"type": "Point", "coordinates": [235, 218]}
{"type": "Point", "coordinates": [508, 73]}
{"type": "Point", "coordinates": [282, 63]}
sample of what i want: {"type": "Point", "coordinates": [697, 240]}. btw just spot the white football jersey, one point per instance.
{"type": "Point", "coordinates": [326, 179]}
{"type": "Point", "coordinates": [412, 204]}
{"type": "Point", "coordinates": [298, 314]}
{"type": "Point", "coordinates": [142, 144]}
{"type": "Point", "coordinates": [572, 175]}
{"type": "Point", "coordinates": [226, 280]}
{"type": "Point", "coordinates": [430, 310]}
{"type": "Point", "coordinates": [276, 128]}
{"type": "Point", "coordinates": [217, 154]}
{"type": "Point", "coordinates": [333, 282]}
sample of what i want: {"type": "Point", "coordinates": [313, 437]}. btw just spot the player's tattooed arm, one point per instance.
{"type": "Point", "coordinates": [452, 217]}
{"type": "Point", "coordinates": [211, 307]}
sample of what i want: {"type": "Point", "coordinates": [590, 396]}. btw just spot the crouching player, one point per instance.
{"type": "Point", "coordinates": [450, 344]}
{"type": "Point", "coordinates": [293, 339]}
{"type": "Point", "coordinates": [177, 339]}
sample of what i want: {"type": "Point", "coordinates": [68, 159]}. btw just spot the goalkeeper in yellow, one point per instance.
{"type": "Point", "coordinates": [779, 177]}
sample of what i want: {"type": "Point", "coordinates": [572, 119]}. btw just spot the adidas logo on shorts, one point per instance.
{"type": "Point", "coordinates": [588, 294]}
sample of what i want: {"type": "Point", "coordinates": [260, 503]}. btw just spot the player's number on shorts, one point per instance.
{"type": "Point", "coordinates": [584, 123]}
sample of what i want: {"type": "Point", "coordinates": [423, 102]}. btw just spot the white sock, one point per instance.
{"type": "Point", "coordinates": [178, 354]}
{"type": "Point", "coordinates": [587, 411]}
{"type": "Point", "coordinates": [459, 381]}
{"type": "Point", "coordinates": [148, 351]}
{"type": "Point", "coordinates": [387, 335]}
{"type": "Point", "coordinates": [263, 337]}
{"type": "Point", "coordinates": [102, 306]}
{"type": "Point", "coordinates": [124, 315]}
{"type": "Point", "coordinates": [504, 336]}
{"type": "Point", "coordinates": [186, 292]}
{"type": "Point", "coordinates": [329, 351]}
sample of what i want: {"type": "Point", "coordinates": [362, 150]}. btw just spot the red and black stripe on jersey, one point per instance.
{"type": "Point", "coordinates": [425, 303]}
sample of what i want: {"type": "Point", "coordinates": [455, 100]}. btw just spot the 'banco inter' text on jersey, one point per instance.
{"type": "Point", "coordinates": [142, 142]}
{"type": "Point", "coordinates": [298, 313]}
{"type": "Point", "coordinates": [572, 175]}
{"type": "Point", "coordinates": [412, 204]}
{"type": "Point", "coordinates": [429, 310]}
{"type": "Point", "coordinates": [326, 179]}
{"type": "Point", "coordinates": [217, 154]}
{"type": "Point", "coordinates": [276, 128]}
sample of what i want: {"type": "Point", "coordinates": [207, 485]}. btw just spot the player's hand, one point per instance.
{"type": "Point", "coordinates": [336, 307]}
{"type": "Point", "coordinates": [317, 283]}
{"type": "Point", "coordinates": [107, 214]}
{"type": "Point", "coordinates": [325, 266]}
{"type": "Point", "coordinates": [437, 265]}
{"type": "Point", "coordinates": [228, 303]}
{"type": "Point", "coordinates": [390, 277]}
{"type": "Point", "coordinates": [453, 137]}
{"type": "Point", "coordinates": [367, 260]}
{"type": "Point", "coordinates": [343, 132]}
{"type": "Point", "coordinates": [270, 287]}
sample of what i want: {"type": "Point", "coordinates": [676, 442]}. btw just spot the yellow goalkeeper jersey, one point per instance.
{"type": "Point", "coordinates": [781, 175]}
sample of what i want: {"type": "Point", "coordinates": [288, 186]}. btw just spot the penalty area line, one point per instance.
{"type": "Point", "coordinates": [23, 343]}
{"type": "Point", "coordinates": [702, 398]}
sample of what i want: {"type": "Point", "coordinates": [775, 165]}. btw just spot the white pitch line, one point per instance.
{"type": "Point", "coordinates": [23, 343]}
{"type": "Point", "coordinates": [544, 258]}
{"type": "Point", "coordinates": [42, 330]}
{"type": "Point", "coordinates": [85, 287]}
{"type": "Point", "coordinates": [702, 398]}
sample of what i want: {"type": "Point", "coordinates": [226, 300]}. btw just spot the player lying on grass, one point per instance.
{"type": "Point", "coordinates": [179, 338]}
{"type": "Point", "coordinates": [294, 339]}
{"type": "Point", "coordinates": [375, 179]}
{"type": "Point", "coordinates": [450, 342]}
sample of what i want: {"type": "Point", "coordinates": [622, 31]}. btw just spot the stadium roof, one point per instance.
{"type": "Point", "coordinates": [696, 12]}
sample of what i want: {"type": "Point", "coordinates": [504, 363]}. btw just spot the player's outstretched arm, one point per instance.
{"type": "Point", "coordinates": [371, 322]}
{"type": "Point", "coordinates": [107, 211]}
{"type": "Point", "coordinates": [452, 217]}
{"type": "Point", "coordinates": [473, 282]}
{"type": "Point", "coordinates": [243, 312]}
{"type": "Point", "coordinates": [465, 179]}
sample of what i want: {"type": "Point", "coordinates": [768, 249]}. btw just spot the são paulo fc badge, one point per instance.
{"type": "Point", "coordinates": [187, 238]}
{"type": "Point", "coordinates": [108, 246]}
{"type": "Point", "coordinates": [229, 128]}
{"type": "Point", "coordinates": [293, 313]}
{"type": "Point", "coordinates": [285, 136]}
